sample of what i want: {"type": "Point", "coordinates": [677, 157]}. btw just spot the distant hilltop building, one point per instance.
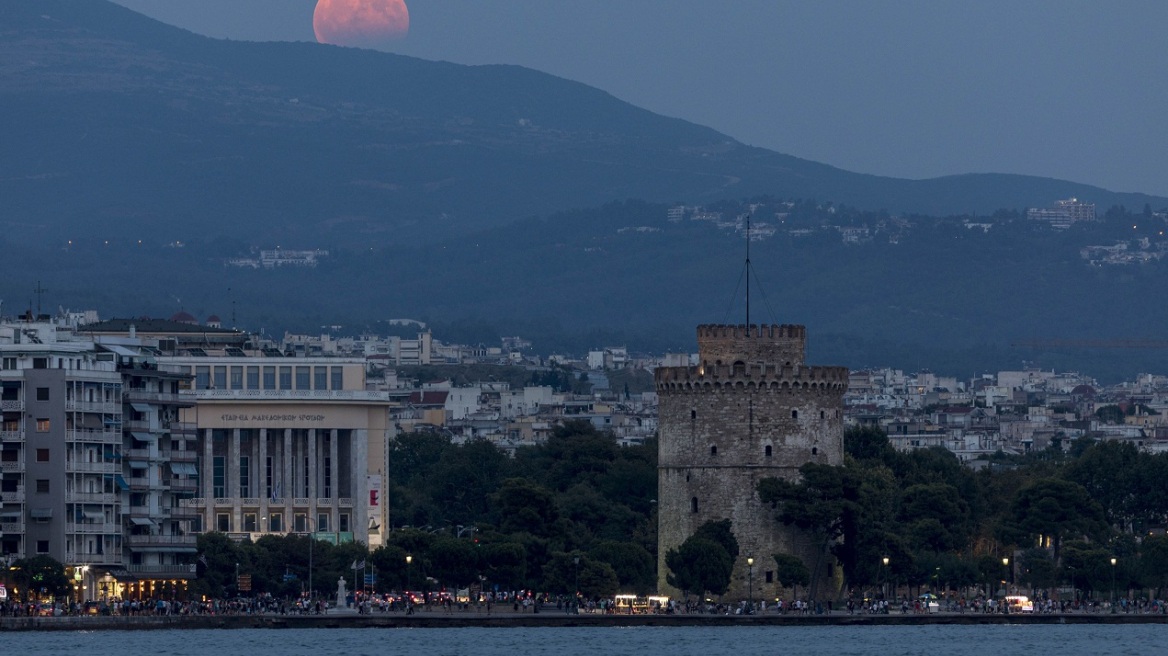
{"type": "Point", "coordinates": [1064, 213]}
{"type": "Point", "coordinates": [271, 259]}
{"type": "Point", "coordinates": [749, 409]}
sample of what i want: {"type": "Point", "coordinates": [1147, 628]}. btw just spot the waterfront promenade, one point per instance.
{"type": "Point", "coordinates": [509, 618]}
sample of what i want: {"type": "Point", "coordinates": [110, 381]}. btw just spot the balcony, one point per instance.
{"type": "Point", "coordinates": [361, 396]}
{"type": "Point", "coordinates": [93, 528]}
{"type": "Point", "coordinates": [345, 502]}
{"type": "Point", "coordinates": [12, 405]}
{"type": "Point", "coordinates": [91, 406]}
{"type": "Point", "coordinates": [184, 512]}
{"type": "Point", "coordinates": [12, 436]}
{"type": "Point", "coordinates": [93, 559]}
{"type": "Point", "coordinates": [183, 456]}
{"type": "Point", "coordinates": [92, 467]}
{"type": "Point", "coordinates": [102, 436]}
{"type": "Point", "coordinates": [143, 454]}
{"type": "Point", "coordinates": [12, 466]}
{"type": "Point", "coordinates": [186, 427]}
{"type": "Point", "coordinates": [197, 502]}
{"type": "Point", "coordinates": [159, 541]}
{"type": "Point", "coordinates": [91, 497]}
{"type": "Point", "coordinates": [188, 485]}
{"type": "Point", "coordinates": [13, 497]}
{"type": "Point", "coordinates": [9, 528]}
{"type": "Point", "coordinates": [157, 398]}
{"type": "Point", "coordinates": [142, 426]}
{"type": "Point", "coordinates": [141, 483]}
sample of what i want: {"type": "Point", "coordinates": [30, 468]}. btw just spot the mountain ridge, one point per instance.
{"type": "Point", "coordinates": [166, 134]}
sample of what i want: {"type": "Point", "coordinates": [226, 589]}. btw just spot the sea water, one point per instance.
{"type": "Point", "coordinates": [931, 640]}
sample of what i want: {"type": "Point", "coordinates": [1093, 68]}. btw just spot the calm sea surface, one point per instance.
{"type": "Point", "coordinates": [994, 640]}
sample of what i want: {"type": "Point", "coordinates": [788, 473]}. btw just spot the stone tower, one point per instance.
{"type": "Point", "coordinates": [751, 409]}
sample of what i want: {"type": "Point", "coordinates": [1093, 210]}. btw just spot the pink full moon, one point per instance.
{"type": "Point", "coordinates": [360, 23]}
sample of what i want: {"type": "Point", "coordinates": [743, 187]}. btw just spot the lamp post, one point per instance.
{"type": "Point", "coordinates": [1113, 584]}
{"type": "Point", "coordinates": [884, 583]}
{"type": "Point", "coordinates": [409, 567]}
{"type": "Point", "coordinates": [311, 539]}
{"type": "Point", "coordinates": [1005, 583]}
{"type": "Point", "coordinates": [750, 584]}
{"type": "Point", "coordinates": [576, 572]}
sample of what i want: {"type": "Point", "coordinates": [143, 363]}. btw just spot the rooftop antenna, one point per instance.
{"type": "Point", "coordinates": [40, 292]}
{"type": "Point", "coordinates": [748, 273]}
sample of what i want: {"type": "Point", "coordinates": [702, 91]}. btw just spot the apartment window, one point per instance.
{"type": "Point", "coordinates": [236, 378]}
{"type": "Point", "coordinates": [303, 378]}
{"type": "Point", "coordinates": [42, 455]}
{"type": "Point", "coordinates": [249, 522]}
{"type": "Point", "coordinates": [320, 378]}
{"type": "Point", "coordinates": [40, 363]}
{"type": "Point", "coordinates": [197, 524]}
{"type": "Point", "coordinates": [338, 374]}
{"type": "Point", "coordinates": [244, 476]}
{"type": "Point", "coordinates": [343, 526]}
{"type": "Point", "coordinates": [269, 378]}
{"type": "Point", "coordinates": [42, 394]}
{"type": "Point", "coordinates": [220, 377]}
{"type": "Point", "coordinates": [43, 425]}
{"type": "Point", "coordinates": [285, 378]}
{"type": "Point", "coordinates": [202, 377]}
{"type": "Point", "coordinates": [9, 363]}
{"type": "Point", "coordinates": [276, 523]}
{"type": "Point", "coordinates": [223, 522]}
{"type": "Point", "coordinates": [218, 477]}
{"type": "Point", "coordinates": [42, 546]}
{"type": "Point", "coordinates": [42, 486]}
{"type": "Point", "coordinates": [322, 522]}
{"type": "Point", "coordinates": [301, 522]}
{"type": "Point", "coordinates": [268, 479]}
{"type": "Point", "coordinates": [328, 476]}
{"type": "Point", "coordinates": [253, 377]}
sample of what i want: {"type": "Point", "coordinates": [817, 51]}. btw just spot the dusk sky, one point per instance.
{"type": "Point", "coordinates": [1062, 89]}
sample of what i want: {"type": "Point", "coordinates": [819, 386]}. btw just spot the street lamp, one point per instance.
{"type": "Point", "coordinates": [409, 559]}
{"type": "Point", "coordinates": [1113, 584]}
{"type": "Point", "coordinates": [1005, 585]}
{"type": "Point", "coordinates": [884, 571]}
{"type": "Point", "coordinates": [750, 583]}
{"type": "Point", "coordinates": [576, 571]}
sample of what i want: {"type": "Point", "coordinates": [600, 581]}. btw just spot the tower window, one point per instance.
{"type": "Point", "coordinates": [794, 414]}
{"type": "Point", "coordinates": [822, 415]}
{"type": "Point", "coordinates": [770, 577]}
{"type": "Point", "coordinates": [713, 449]}
{"type": "Point", "coordinates": [814, 450]}
{"type": "Point", "coordinates": [767, 451]}
{"type": "Point", "coordinates": [693, 414]}
{"type": "Point", "coordinates": [693, 505]}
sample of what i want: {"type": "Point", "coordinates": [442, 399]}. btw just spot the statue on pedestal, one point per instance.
{"type": "Point", "coordinates": [341, 592]}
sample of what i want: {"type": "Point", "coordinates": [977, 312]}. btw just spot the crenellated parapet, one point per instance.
{"type": "Point", "coordinates": [754, 343]}
{"type": "Point", "coordinates": [758, 376]}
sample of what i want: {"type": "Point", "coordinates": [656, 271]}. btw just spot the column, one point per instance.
{"type": "Point", "coordinates": [334, 477]}
{"type": "Point", "coordinates": [208, 480]}
{"type": "Point", "coordinates": [358, 454]}
{"type": "Point", "coordinates": [286, 484]}
{"type": "Point", "coordinates": [263, 482]}
{"type": "Point", "coordinates": [232, 470]}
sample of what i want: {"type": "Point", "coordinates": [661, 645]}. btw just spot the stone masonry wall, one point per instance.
{"type": "Point", "coordinates": [724, 428]}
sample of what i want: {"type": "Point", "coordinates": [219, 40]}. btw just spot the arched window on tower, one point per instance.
{"type": "Point", "coordinates": [814, 450]}
{"type": "Point", "coordinates": [794, 414]}
{"type": "Point", "coordinates": [713, 449]}
{"type": "Point", "coordinates": [767, 451]}
{"type": "Point", "coordinates": [693, 505]}
{"type": "Point", "coordinates": [693, 414]}
{"type": "Point", "coordinates": [822, 415]}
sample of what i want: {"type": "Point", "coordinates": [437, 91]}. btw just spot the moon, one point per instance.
{"type": "Point", "coordinates": [360, 23]}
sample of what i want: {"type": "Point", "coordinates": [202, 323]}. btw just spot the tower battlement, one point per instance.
{"type": "Point", "coordinates": [751, 375]}
{"type": "Point", "coordinates": [754, 343]}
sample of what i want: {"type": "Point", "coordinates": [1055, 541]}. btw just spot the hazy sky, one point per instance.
{"type": "Point", "coordinates": [1056, 88]}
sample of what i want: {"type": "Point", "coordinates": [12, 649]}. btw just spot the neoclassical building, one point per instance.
{"type": "Point", "coordinates": [287, 445]}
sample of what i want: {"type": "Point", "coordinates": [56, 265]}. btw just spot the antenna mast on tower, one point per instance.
{"type": "Point", "coordinates": [748, 272]}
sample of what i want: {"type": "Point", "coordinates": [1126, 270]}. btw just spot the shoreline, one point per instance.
{"type": "Point", "coordinates": [545, 619]}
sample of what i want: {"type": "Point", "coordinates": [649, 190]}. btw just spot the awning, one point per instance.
{"type": "Point", "coordinates": [184, 468]}
{"type": "Point", "coordinates": [144, 437]}
{"type": "Point", "coordinates": [121, 482]}
{"type": "Point", "coordinates": [120, 350]}
{"type": "Point", "coordinates": [143, 521]}
{"type": "Point", "coordinates": [93, 515]}
{"type": "Point", "coordinates": [141, 407]}
{"type": "Point", "coordinates": [122, 576]}
{"type": "Point", "coordinates": [41, 513]}
{"type": "Point", "coordinates": [10, 517]}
